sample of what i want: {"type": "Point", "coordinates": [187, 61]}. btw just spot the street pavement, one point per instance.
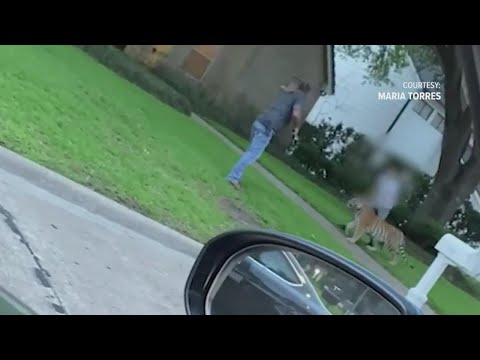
{"type": "Point", "coordinates": [57, 257]}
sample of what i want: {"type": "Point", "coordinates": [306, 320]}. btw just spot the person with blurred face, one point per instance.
{"type": "Point", "coordinates": [285, 109]}
{"type": "Point", "coordinates": [386, 192]}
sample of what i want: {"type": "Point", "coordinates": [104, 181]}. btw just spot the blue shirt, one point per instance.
{"type": "Point", "coordinates": [279, 113]}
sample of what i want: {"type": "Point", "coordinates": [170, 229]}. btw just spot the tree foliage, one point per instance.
{"type": "Point", "coordinates": [383, 60]}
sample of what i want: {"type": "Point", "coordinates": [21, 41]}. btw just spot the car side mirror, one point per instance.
{"type": "Point", "coordinates": [269, 273]}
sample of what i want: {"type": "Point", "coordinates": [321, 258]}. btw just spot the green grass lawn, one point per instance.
{"type": "Point", "coordinates": [445, 298]}
{"type": "Point", "coordinates": [64, 110]}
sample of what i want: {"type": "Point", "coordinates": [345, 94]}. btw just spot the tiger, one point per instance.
{"type": "Point", "coordinates": [366, 221]}
{"type": "Point", "coordinates": [355, 204]}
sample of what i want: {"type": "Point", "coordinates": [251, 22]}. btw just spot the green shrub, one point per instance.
{"type": "Point", "coordinates": [466, 221]}
{"type": "Point", "coordinates": [424, 232]}
{"type": "Point", "coordinates": [236, 114]}
{"type": "Point", "coordinates": [138, 74]}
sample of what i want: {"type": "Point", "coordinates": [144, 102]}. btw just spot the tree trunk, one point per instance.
{"type": "Point", "coordinates": [455, 182]}
{"type": "Point", "coordinates": [446, 197]}
{"type": "Point", "coordinates": [445, 183]}
{"type": "Point", "coordinates": [456, 134]}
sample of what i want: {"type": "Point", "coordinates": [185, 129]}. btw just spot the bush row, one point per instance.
{"type": "Point", "coordinates": [236, 114]}
{"type": "Point", "coordinates": [138, 74]}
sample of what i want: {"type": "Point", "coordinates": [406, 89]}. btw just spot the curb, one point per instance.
{"type": "Point", "coordinates": [96, 203]}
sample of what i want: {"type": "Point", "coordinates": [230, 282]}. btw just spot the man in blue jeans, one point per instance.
{"type": "Point", "coordinates": [286, 108]}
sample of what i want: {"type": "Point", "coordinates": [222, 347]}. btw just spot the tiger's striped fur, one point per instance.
{"type": "Point", "coordinates": [366, 222]}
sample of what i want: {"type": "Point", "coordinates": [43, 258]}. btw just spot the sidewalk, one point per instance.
{"type": "Point", "coordinates": [69, 250]}
{"type": "Point", "coordinates": [362, 257]}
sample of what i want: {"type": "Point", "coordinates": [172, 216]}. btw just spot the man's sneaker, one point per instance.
{"type": "Point", "coordinates": [235, 184]}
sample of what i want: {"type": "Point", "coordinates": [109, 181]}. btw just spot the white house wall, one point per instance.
{"type": "Point", "coordinates": [416, 141]}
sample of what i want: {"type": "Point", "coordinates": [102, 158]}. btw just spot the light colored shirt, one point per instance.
{"type": "Point", "coordinates": [386, 191]}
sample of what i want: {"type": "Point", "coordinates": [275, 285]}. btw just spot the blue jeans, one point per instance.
{"type": "Point", "coordinates": [260, 137]}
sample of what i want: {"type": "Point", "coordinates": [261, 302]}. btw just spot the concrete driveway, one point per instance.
{"type": "Point", "coordinates": [59, 258]}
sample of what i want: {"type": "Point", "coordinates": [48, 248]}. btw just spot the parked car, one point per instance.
{"type": "Point", "coordinates": [268, 283]}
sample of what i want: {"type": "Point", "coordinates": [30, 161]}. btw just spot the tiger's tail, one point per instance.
{"type": "Point", "coordinates": [402, 253]}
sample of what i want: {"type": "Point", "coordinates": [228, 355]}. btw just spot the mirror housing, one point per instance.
{"type": "Point", "coordinates": [218, 251]}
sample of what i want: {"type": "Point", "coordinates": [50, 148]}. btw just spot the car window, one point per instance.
{"type": "Point", "coordinates": [277, 262]}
